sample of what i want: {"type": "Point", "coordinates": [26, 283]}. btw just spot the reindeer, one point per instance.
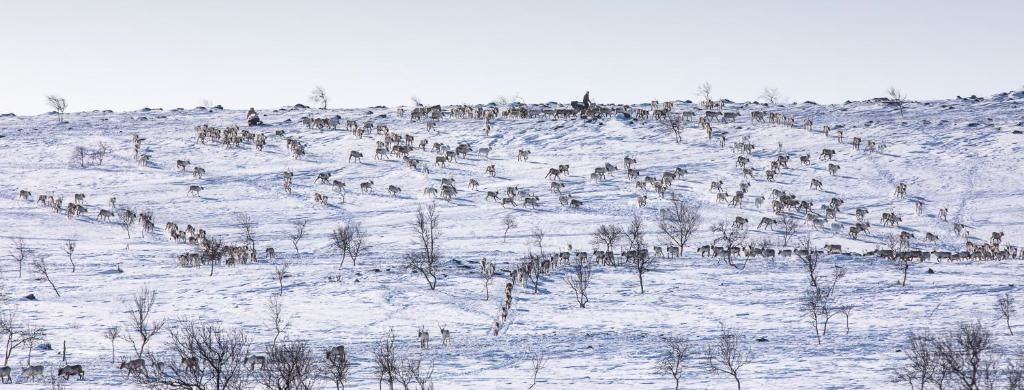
{"type": "Point", "coordinates": [335, 353]}
{"type": "Point", "coordinates": [72, 370]}
{"type": "Point", "coordinates": [252, 360]}
{"type": "Point", "coordinates": [445, 335]}
{"type": "Point", "coordinates": [190, 363]}
{"type": "Point", "coordinates": [354, 155]}
{"type": "Point", "coordinates": [182, 164]}
{"type": "Point", "coordinates": [366, 186]}
{"type": "Point", "coordinates": [394, 190]}
{"type": "Point", "coordinates": [136, 366]}
{"type": "Point", "coordinates": [198, 172]}
{"type": "Point", "coordinates": [523, 155]}
{"type": "Point", "coordinates": [194, 190]}
{"type": "Point", "coordinates": [833, 168]}
{"type": "Point", "coordinates": [424, 338]}
{"type": "Point", "coordinates": [32, 372]}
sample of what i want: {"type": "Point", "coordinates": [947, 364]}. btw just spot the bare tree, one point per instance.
{"type": "Point", "coordinates": [298, 233]}
{"type": "Point", "coordinates": [538, 234]}
{"type": "Point", "coordinates": [538, 361]}
{"type": "Point", "coordinates": [385, 360]}
{"type": "Point", "coordinates": [247, 225]}
{"type": "Point", "coordinates": [350, 240]}
{"type": "Point", "coordinates": [319, 96]}
{"type": "Point", "coordinates": [679, 221]}
{"type": "Point", "coordinates": [69, 249]}
{"type": "Point", "coordinates": [729, 236]}
{"type": "Point", "coordinates": [899, 247]}
{"type": "Point", "coordinates": [727, 354]}
{"type": "Point", "coordinates": [338, 368]}
{"type": "Point", "coordinates": [111, 334]}
{"type": "Point", "coordinates": [280, 274]}
{"type": "Point", "coordinates": [771, 96]}
{"type": "Point", "coordinates": [578, 280]}
{"type": "Point", "coordinates": [20, 252]}
{"type": "Point", "coordinates": [42, 270]}
{"type": "Point", "coordinates": [788, 227]}
{"type": "Point", "coordinates": [533, 266]}
{"type": "Point", "coordinates": [141, 327]}
{"type": "Point", "coordinates": [607, 237]}
{"type": "Point", "coordinates": [219, 353]}
{"type": "Point", "coordinates": [509, 221]}
{"type": "Point", "coordinates": [809, 260]}
{"type": "Point", "coordinates": [820, 303]}
{"type": "Point", "coordinates": [59, 105]}
{"type": "Point", "coordinates": [100, 153]}
{"type": "Point", "coordinates": [291, 365]}
{"type": "Point", "coordinates": [967, 355]}
{"type": "Point", "coordinates": [673, 363]}
{"type": "Point", "coordinates": [275, 317]}
{"type": "Point", "coordinates": [79, 156]}
{"type": "Point", "coordinates": [924, 366]}
{"type": "Point", "coordinates": [487, 271]}
{"type": "Point", "coordinates": [426, 259]}
{"type": "Point", "coordinates": [33, 335]}
{"type": "Point", "coordinates": [704, 91]}
{"type": "Point", "coordinates": [897, 98]}
{"type": "Point", "coordinates": [637, 256]}
{"type": "Point", "coordinates": [12, 331]}
{"type": "Point", "coordinates": [1005, 306]}
{"type": "Point", "coordinates": [419, 372]}
{"type": "Point", "coordinates": [211, 252]}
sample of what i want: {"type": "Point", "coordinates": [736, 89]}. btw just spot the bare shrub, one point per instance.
{"type": "Point", "coordinates": [537, 234]}
{"type": "Point", "coordinates": [275, 317]}
{"type": "Point", "coordinates": [1005, 306]}
{"type": "Point", "coordinates": [788, 227]}
{"type": "Point", "coordinates": [141, 327]}
{"type": "Point", "coordinates": [319, 96]}
{"type": "Point", "coordinates": [291, 365]}
{"type": "Point", "coordinates": [538, 361]}
{"type": "Point", "coordinates": [111, 334]}
{"type": "Point", "coordinates": [298, 233]}
{"type": "Point", "coordinates": [640, 261]}
{"type": "Point", "coordinates": [426, 258]}
{"type": "Point", "coordinates": [729, 236]}
{"type": "Point", "coordinates": [69, 246]}
{"type": "Point", "coordinates": [964, 358]}
{"type": "Point", "coordinates": [679, 221]}
{"type": "Point", "coordinates": [509, 221]}
{"type": "Point", "coordinates": [220, 353]}
{"type": "Point", "coordinates": [79, 156]}
{"type": "Point", "coordinates": [727, 354]}
{"type": "Point", "coordinates": [898, 98]}
{"type": "Point", "coordinates": [247, 224]}
{"type": "Point", "coordinates": [607, 237]}
{"type": "Point", "coordinates": [350, 240]}
{"type": "Point", "coordinates": [12, 331]}
{"type": "Point", "coordinates": [578, 280]}
{"type": "Point", "coordinates": [20, 252]}
{"type": "Point", "coordinates": [59, 105]}
{"type": "Point", "coordinates": [42, 270]}
{"type": "Point", "coordinates": [771, 96]}
{"type": "Point", "coordinates": [385, 360]}
{"type": "Point", "coordinates": [673, 363]}
{"type": "Point", "coordinates": [280, 274]}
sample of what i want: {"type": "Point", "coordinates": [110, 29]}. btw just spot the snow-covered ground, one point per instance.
{"type": "Point", "coordinates": [955, 154]}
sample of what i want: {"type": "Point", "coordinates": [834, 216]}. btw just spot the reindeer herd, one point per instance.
{"type": "Point", "coordinates": [416, 153]}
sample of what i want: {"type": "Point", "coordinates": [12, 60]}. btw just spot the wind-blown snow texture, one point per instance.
{"type": "Point", "coordinates": [959, 154]}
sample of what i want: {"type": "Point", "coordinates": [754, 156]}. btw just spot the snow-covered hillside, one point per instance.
{"type": "Point", "coordinates": [962, 155]}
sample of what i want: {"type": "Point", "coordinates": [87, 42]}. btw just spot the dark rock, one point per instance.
{"type": "Point", "coordinates": [300, 106]}
{"type": "Point", "coordinates": [931, 271]}
{"type": "Point", "coordinates": [30, 297]}
{"type": "Point", "coordinates": [761, 339]}
{"type": "Point", "coordinates": [218, 107]}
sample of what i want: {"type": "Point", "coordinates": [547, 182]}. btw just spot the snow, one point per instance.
{"type": "Point", "coordinates": [958, 154]}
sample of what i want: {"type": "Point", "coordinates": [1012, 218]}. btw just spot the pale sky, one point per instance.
{"type": "Point", "coordinates": [125, 55]}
